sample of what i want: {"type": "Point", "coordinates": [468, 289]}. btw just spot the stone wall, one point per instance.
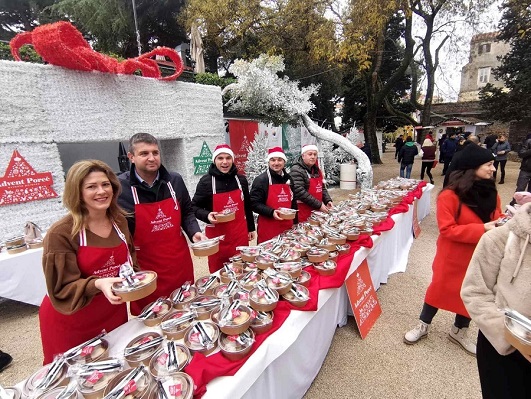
{"type": "Point", "coordinates": [42, 105]}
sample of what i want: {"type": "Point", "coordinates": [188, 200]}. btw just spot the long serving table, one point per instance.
{"type": "Point", "coordinates": [21, 276]}
{"type": "Point", "coordinates": [285, 365]}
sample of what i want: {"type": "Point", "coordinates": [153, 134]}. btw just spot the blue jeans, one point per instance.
{"type": "Point", "coordinates": [407, 168]}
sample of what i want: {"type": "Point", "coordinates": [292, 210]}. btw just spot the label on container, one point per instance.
{"type": "Point", "coordinates": [162, 359]}
{"type": "Point", "coordinates": [176, 389]}
{"type": "Point", "coordinates": [130, 387]}
{"type": "Point", "coordinates": [87, 350]}
{"type": "Point", "coordinates": [95, 377]}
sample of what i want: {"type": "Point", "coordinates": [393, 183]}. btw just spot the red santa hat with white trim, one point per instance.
{"type": "Point", "coordinates": [309, 147]}
{"type": "Point", "coordinates": [222, 149]}
{"type": "Point", "coordinates": [276, 152]}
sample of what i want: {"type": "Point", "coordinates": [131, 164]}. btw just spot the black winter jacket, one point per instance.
{"type": "Point", "coordinates": [301, 184]}
{"type": "Point", "coordinates": [260, 190]}
{"type": "Point", "coordinates": [158, 192]}
{"type": "Point", "coordinates": [407, 154]}
{"type": "Point", "coordinates": [202, 202]}
{"type": "Point", "coordinates": [525, 154]}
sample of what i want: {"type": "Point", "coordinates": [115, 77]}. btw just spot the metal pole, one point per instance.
{"type": "Point", "coordinates": [136, 29]}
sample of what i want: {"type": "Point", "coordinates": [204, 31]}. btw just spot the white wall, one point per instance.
{"type": "Point", "coordinates": [41, 105]}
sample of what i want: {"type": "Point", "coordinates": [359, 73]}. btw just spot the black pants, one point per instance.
{"type": "Point", "coordinates": [426, 166]}
{"type": "Point", "coordinates": [502, 169]}
{"type": "Point", "coordinates": [502, 377]}
{"type": "Point", "coordinates": [446, 164]}
{"type": "Point", "coordinates": [428, 312]}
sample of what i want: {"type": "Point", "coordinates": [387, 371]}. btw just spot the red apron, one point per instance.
{"type": "Point", "coordinates": [60, 332]}
{"type": "Point", "coordinates": [278, 196]}
{"type": "Point", "coordinates": [161, 246]}
{"type": "Point", "coordinates": [235, 231]}
{"type": "Point", "coordinates": [316, 190]}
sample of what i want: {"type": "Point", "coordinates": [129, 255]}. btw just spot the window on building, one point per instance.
{"type": "Point", "coordinates": [484, 48]}
{"type": "Point", "coordinates": [483, 76]}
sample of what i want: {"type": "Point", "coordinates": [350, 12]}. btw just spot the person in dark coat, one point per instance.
{"type": "Point", "coordinates": [458, 158]}
{"type": "Point", "coordinates": [448, 150]}
{"type": "Point", "coordinates": [160, 209]}
{"type": "Point", "coordinates": [221, 190]}
{"type": "Point", "coordinates": [501, 151]}
{"type": "Point", "coordinates": [399, 143]}
{"type": "Point", "coordinates": [406, 157]}
{"type": "Point", "coordinates": [441, 142]}
{"type": "Point", "coordinates": [308, 186]}
{"type": "Point", "coordinates": [270, 191]}
{"type": "Point", "coordinates": [523, 182]}
{"type": "Point", "coordinates": [428, 158]}
{"type": "Point", "coordinates": [490, 140]}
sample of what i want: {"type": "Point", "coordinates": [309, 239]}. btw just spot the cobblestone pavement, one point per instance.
{"type": "Point", "coordinates": [380, 366]}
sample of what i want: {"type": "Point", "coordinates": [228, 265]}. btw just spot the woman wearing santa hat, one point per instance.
{"type": "Point", "coordinates": [272, 190]}
{"type": "Point", "coordinates": [308, 187]}
{"type": "Point", "coordinates": [222, 189]}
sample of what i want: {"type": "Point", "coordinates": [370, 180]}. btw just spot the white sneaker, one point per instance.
{"type": "Point", "coordinates": [459, 336]}
{"type": "Point", "coordinates": [420, 331]}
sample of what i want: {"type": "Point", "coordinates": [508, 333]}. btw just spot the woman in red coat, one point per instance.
{"type": "Point", "coordinates": [466, 208]}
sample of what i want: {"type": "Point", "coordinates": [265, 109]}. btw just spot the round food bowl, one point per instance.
{"type": "Point", "coordinates": [203, 305]}
{"type": "Point", "coordinates": [37, 243]}
{"type": "Point", "coordinates": [147, 284]}
{"type": "Point", "coordinates": [292, 268]}
{"type": "Point", "coordinates": [224, 217]}
{"type": "Point", "coordinates": [206, 285]}
{"type": "Point", "coordinates": [250, 279]}
{"type": "Point", "coordinates": [317, 255]}
{"type": "Point", "coordinates": [290, 255]}
{"type": "Point", "coordinates": [225, 276]}
{"type": "Point", "coordinates": [338, 239]}
{"type": "Point", "coordinates": [264, 261]}
{"type": "Point", "coordinates": [138, 390]}
{"type": "Point", "coordinates": [182, 299]}
{"type": "Point", "coordinates": [91, 353]}
{"type": "Point", "coordinates": [301, 248]}
{"type": "Point", "coordinates": [158, 365]}
{"type": "Point", "coordinates": [176, 386]}
{"type": "Point", "coordinates": [518, 335]}
{"type": "Point", "coordinates": [139, 357]}
{"type": "Point", "coordinates": [343, 249]}
{"type": "Point", "coordinates": [260, 301]}
{"type": "Point", "coordinates": [249, 254]}
{"type": "Point", "coordinates": [333, 255]}
{"type": "Point", "coordinates": [15, 241]}
{"type": "Point", "coordinates": [262, 323]}
{"type": "Point", "coordinates": [158, 313]}
{"type": "Point", "coordinates": [235, 321]}
{"type": "Point", "coordinates": [92, 386]}
{"type": "Point", "coordinates": [16, 249]}
{"type": "Point", "coordinates": [241, 295]}
{"type": "Point", "coordinates": [304, 278]}
{"type": "Point", "coordinates": [293, 299]}
{"type": "Point", "coordinates": [287, 213]}
{"type": "Point", "coordinates": [193, 341]}
{"type": "Point", "coordinates": [236, 347]}
{"type": "Point", "coordinates": [54, 392]}
{"type": "Point", "coordinates": [281, 283]}
{"type": "Point", "coordinates": [326, 268]}
{"type": "Point", "coordinates": [326, 244]}
{"type": "Point", "coordinates": [30, 386]}
{"type": "Point", "coordinates": [205, 248]}
{"type": "Point", "coordinates": [175, 332]}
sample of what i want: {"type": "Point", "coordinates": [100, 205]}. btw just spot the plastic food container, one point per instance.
{"type": "Point", "coordinates": [249, 254]}
{"type": "Point", "coordinates": [142, 356]}
{"type": "Point", "coordinates": [158, 312]}
{"type": "Point", "coordinates": [203, 305]}
{"type": "Point", "coordinates": [206, 285]}
{"type": "Point", "coordinates": [292, 268]}
{"type": "Point", "coordinates": [223, 217]}
{"type": "Point", "coordinates": [92, 386]}
{"type": "Point", "coordinates": [234, 320]}
{"type": "Point", "coordinates": [147, 284]}
{"type": "Point", "coordinates": [182, 297]}
{"type": "Point", "coordinates": [176, 386]}
{"type": "Point", "coordinates": [287, 213]}
{"type": "Point", "coordinates": [518, 335]}
{"type": "Point", "coordinates": [172, 330]}
{"type": "Point", "coordinates": [317, 255]}
{"type": "Point", "coordinates": [236, 347]}
{"type": "Point", "coordinates": [298, 295]}
{"type": "Point", "coordinates": [304, 278]}
{"type": "Point", "coordinates": [140, 389]}
{"type": "Point", "coordinates": [281, 283]}
{"type": "Point", "coordinates": [262, 323]}
{"type": "Point", "coordinates": [31, 384]}
{"type": "Point", "coordinates": [205, 248]}
{"type": "Point", "coordinates": [195, 341]}
{"type": "Point", "coordinates": [326, 268]}
{"type": "Point", "coordinates": [91, 353]}
{"type": "Point", "coordinates": [158, 365]}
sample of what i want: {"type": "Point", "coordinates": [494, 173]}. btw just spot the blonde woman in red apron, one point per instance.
{"type": "Point", "coordinates": [81, 260]}
{"type": "Point", "coordinates": [308, 187]}
{"type": "Point", "coordinates": [162, 210]}
{"type": "Point", "coordinates": [272, 190]}
{"type": "Point", "coordinates": [220, 190]}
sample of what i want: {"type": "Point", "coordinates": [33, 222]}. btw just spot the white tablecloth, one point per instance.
{"type": "Point", "coordinates": [21, 276]}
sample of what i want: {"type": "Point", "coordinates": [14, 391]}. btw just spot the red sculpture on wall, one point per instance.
{"type": "Point", "coordinates": [63, 45]}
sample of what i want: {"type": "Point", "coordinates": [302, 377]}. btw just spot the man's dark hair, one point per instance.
{"type": "Point", "coordinates": [141, 138]}
{"type": "Point", "coordinates": [409, 138]}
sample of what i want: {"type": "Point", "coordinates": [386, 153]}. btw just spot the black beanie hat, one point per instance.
{"type": "Point", "coordinates": [473, 156]}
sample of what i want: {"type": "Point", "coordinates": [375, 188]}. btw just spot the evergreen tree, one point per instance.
{"type": "Point", "coordinates": [256, 157]}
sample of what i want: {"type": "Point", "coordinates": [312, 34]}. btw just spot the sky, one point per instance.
{"type": "Point", "coordinates": [455, 53]}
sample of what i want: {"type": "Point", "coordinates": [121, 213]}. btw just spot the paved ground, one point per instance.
{"type": "Point", "coordinates": [381, 366]}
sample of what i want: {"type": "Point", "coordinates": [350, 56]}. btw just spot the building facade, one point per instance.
{"type": "Point", "coordinates": [483, 58]}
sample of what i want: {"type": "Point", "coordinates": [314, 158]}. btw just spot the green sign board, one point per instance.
{"type": "Point", "coordinates": [203, 161]}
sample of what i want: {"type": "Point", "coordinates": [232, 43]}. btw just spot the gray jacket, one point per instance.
{"type": "Point", "coordinates": [503, 147]}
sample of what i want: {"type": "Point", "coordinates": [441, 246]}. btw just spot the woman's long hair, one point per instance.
{"type": "Point", "coordinates": [73, 199]}
{"type": "Point", "coordinates": [461, 182]}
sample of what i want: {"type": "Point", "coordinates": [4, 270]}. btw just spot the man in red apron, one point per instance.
{"type": "Point", "coordinates": [308, 187]}
{"type": "Point", "coordinates": [272, 190]}
{"type": "Point", "coordinates": [223, 189]}
{"type": "Point", "coordinates": [162, 210]}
